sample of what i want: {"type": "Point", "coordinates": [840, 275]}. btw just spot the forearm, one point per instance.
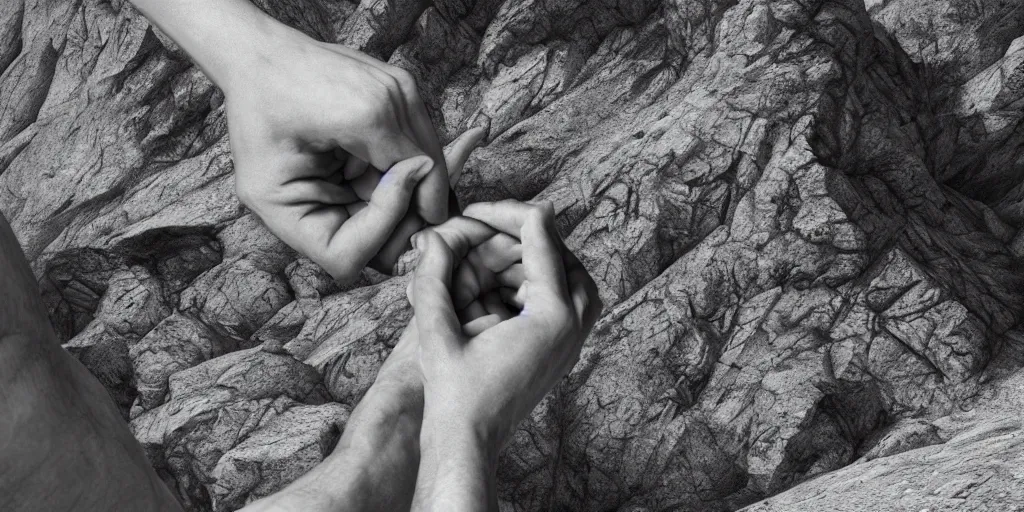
{"type": "Point", "coordinates": [382, 441]}
{"type": "Point", "coordinates": [226, 38]}
{"type": "Point", "coordinates": [373, 467]}
{"type": "Point", "coordinates": [457, 468]}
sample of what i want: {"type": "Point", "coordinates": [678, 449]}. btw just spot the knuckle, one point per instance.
{"type": "Point", "coordinates": [377, 103]}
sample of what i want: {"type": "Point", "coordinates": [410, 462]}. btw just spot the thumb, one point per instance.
{"type": "Point", "coordinates": [436, 321]}
{"type": "Point", "coordinates": [457, 152]}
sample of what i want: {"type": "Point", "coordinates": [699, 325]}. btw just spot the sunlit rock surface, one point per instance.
{"type": "Point", "coordinates": [804, 218]}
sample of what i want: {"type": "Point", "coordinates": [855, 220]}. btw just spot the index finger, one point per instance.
{"type": "Point", "coordinates": [463, 234]}
{"type": "Point", "coordinates": [431, 197]}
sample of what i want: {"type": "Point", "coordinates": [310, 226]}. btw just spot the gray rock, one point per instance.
{"type": "Point", "coordinates": [977, 470]}
{"type": "Point", "coordinates": [286, 447]}
{"type": "Point", "coordinates": [804, 218]}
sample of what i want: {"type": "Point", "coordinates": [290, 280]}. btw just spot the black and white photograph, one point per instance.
{"type": "Point", "coordinates": [511, 255]}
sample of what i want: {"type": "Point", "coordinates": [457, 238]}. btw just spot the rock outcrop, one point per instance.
{"type": "Point", "coordinates": [804, 218]}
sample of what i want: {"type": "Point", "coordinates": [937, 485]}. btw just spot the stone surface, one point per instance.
{"type": "Point", "coordinates": [804, 219]}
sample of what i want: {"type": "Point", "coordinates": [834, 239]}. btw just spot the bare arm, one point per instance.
{"type": "Point", "coordinates": [226, 38]}
{"type": "Point", "coordinates": [478, 385]}
{"type": "Point", "coordinates": [314, 129]}
{"type": "Point", "coordinates": [373, 467]}
{"type": "Point", "coordinates": [63, 443]}
{"type": "Point", "coordinates": [458, 468]}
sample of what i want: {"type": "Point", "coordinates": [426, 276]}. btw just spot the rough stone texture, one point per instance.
{"type": "Point", "coordinates": [804, 218]}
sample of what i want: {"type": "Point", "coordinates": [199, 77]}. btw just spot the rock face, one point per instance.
{"type": "Point", "coordinates": [804, 217]}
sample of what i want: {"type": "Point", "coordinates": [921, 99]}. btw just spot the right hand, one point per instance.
{"type": "Point", "coordinates": [489, 378]}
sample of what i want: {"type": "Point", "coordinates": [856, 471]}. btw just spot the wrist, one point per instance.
{"type": "Point", "coordinates": [458, 465]}
{"type": "Point", "coordinates": [383, 421]}
{"type": "Point", "coordinates": [230, 40]}
{"type": "Point", "coordinates": [453, 433]}
{"type": "Point", "coordinates": [264, 45]}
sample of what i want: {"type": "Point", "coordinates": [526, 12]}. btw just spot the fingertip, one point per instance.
{"type": "Point", "coordinates": [457, 153]}
{"type": "Point", "coordinates": [479, 325]}
{"type": "Point", "coordinates": [415, 168]}
{"type": "Point", "coordinates": [472, 210]}
{"type": "Point", "coordinates": [478, 132]}
{"type": "Point", "coordinates": [435, 256]}
{"type": "Point", "coordinates": [432, 195]}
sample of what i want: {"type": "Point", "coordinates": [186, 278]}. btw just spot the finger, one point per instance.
{"type": "Point", "coordinates": [478, 326]}
{"type": "Point", "coordinates": [366, 183]}
{"type": "Point", "coordinates": [542, 260]}
{"type": "Point", "coordinates": [436, 320]}
{"type": "Point", "coordinates": [314, 190]}
{"type": "Point", "coordinates": [456, 153]}
{"type": "Point", "coordinates": [355, 208]}
{"type": "Point", "coordinates": [507, 216]}
{"type": "Point", "coordinates": [466, 287]}
{"type": "Point", "coordinates": [471, 312]}
{"type": "Point", "coordinates": [478, 272]}
{"type": "Point", "coordinates": [497, 253]}
{"type": "Point", "coordinates": [430, 200]}
{"type": "Point", "coordinates": [514, 296]}
{"type": "Point", "coordinates": [512, 277]}
{"type": "Point", "coordinates": [354, 167]}
{"type": "Point", "coordinates": [432, 195]}
{"type": "Point", "coordinates": [359, 239]}
{"type": "Point", "coordinates": [462, 234]}
{"type": "Point", "coordinates": [397, 244]}
{"type": "Point", "coordinates": [495, 306]}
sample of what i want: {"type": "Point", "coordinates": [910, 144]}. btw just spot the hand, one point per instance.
{"type": "Point", "coordinates": [488, 277]}
{"type": "Point", "coordinates": [374, 465]}
{"type": "Point", "coordinates": [479, 385]}
{"type": "Point", "coordinates": [311, 130]}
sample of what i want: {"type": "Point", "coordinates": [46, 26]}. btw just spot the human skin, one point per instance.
{"type": "Point", "coordinates": [478, 386]}
{"type": "Point", "coordinates": [65, 446]}
{"type": "Point", "coordinates": [63, 443]}
{"type": "Point", "coordinates": [310, 125]}
{"type": "Point", "coordinates": [306, 161]}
